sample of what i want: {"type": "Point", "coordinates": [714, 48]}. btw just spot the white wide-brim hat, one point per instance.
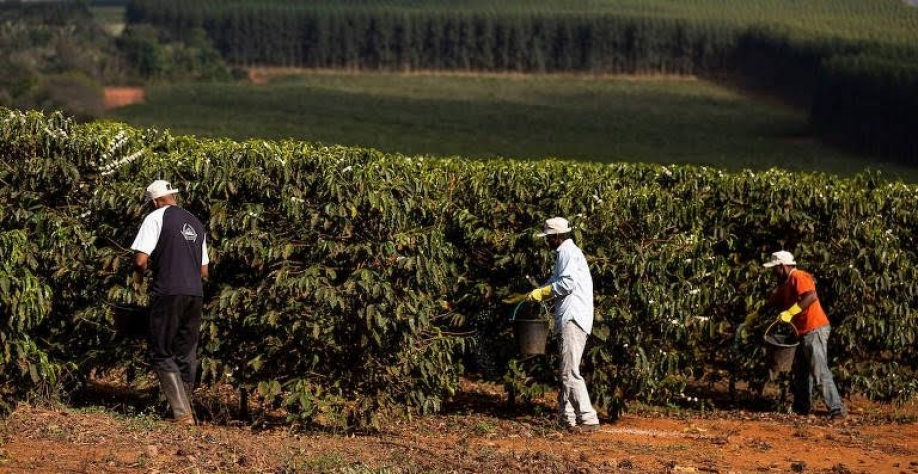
{"type": "Point", "coordinates": [555, 225]}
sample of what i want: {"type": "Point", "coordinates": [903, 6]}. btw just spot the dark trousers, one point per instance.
{"type": "Point", "coordinates": [172, 341]}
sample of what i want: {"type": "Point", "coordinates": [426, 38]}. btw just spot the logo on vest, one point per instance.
{"type": "Point", "coordinates": [189, 233]}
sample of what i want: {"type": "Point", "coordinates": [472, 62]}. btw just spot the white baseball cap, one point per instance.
{"type": "Point", "coordinates": [555, 225]}
{"type": "Point", "coordinates": [158, 189]}
{"type": "Point", "coordinates": [781, 257]}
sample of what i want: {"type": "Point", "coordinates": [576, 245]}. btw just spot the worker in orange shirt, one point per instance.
{"type": "Point", "coordinates": [798, 303]}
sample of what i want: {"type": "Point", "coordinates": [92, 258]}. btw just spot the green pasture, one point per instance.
{"type": "Point", "coordinates": [606, 119]}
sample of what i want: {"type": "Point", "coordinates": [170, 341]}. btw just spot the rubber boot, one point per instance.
{"type": "Point", "coordinates": [174, 390]}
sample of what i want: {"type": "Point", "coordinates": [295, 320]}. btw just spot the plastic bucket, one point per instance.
{"type": "Point", "coordinates": [780, 349]}
{"type": "Point", "coordinates": [531, 335]}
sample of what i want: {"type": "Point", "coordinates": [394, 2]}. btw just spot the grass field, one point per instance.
{"type": "Point", "coordinates": [606, 119]}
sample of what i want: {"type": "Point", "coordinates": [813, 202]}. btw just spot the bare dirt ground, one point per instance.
{"type": "Point", "coordinates": [476, 434]}
{"type": "Point", "coordinates": [121, 96]}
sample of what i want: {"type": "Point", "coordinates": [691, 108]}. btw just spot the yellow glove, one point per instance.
{"type": "Point", "coordinates": [789, 314]}
{"type": "Point", "coordinates": [540, 294]}
{"type": "Point", "coordinates": [516, 298]}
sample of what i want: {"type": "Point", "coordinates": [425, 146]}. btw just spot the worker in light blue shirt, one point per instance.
{"type": "Point", "coordinates": [572, 286]}
{"type": "Point", "coordinates": [572, 283]}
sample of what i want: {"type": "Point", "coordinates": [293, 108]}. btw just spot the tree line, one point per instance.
{"type": "Point", "coordinates": [776, 54]}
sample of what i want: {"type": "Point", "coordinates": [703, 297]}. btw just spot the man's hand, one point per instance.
{"type": "Point", "coordinates": [540, 294]}
{"type": "Point", "coordinates": [788, 314]}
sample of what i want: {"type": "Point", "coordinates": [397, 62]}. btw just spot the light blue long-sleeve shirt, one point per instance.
{"type": "Point", "coordinates": [572, 284]}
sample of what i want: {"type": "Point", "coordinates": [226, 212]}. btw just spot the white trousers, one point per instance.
{"type": "Point", "coordinates": [573, 399]}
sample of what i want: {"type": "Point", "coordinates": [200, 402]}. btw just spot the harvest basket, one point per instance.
{"type": "Point", "coordinates": [780, 346]}
{"type": "Point", "coordinates": [131, 321]}
{"type": "Point", "coordinates": [531, 326]}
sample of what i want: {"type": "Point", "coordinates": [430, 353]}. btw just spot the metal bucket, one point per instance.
{"type": "Point", "coordinates": [780, 349]}
{"type": "Point", "coordinates": [531, 325]}
{"type": "Point", "coordinates": [531, 335]}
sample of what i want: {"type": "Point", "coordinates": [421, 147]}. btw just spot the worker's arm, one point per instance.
{"type": "Point", "coordinates": [802, 303]}
{"type": "Point", "coordinates": [141, 261]}
{"type": "Point", "coordinates": [807, 299]}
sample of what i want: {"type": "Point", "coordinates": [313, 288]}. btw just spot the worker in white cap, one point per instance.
{"type": "Point", "coordinates": [172, 243]}
{"type": "Point", "coordinates": [798, 304]}
{"type": "Point", "coordinates": [572, 287]}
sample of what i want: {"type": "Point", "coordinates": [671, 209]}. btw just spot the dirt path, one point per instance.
{"type": "Point", "coordinates": [877, 439]}
{"type": "Point", "coordinates": [121, 96]}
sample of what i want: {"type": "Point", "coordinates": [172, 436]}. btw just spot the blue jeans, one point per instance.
{"type": "Point", "coordinates": [811, 367]}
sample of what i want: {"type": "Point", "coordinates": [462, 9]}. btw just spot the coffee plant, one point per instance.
{"type": "Point", "coordinates": [352, 287]}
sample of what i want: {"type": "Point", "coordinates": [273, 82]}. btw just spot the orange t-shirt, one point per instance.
{"type": "Point", "coordinates": [798, 283]}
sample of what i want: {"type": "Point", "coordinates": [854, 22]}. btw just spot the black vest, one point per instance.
{"type": "Point", "coordinates": [176, 261]}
